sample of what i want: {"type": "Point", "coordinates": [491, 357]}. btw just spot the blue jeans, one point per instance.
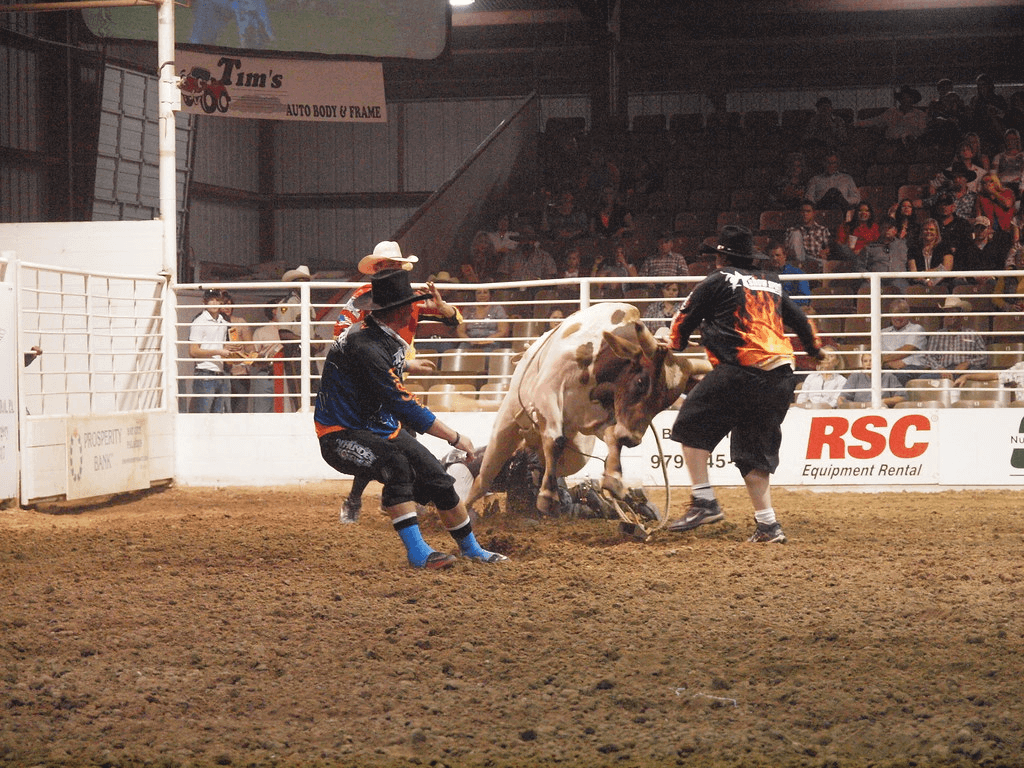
{"type": "Point", "coordinates": [210, 393]}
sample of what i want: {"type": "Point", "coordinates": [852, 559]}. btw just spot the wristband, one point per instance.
{"type": "Point", "coordinates": [455, 442]}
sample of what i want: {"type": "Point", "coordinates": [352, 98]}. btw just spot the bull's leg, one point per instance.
{"type": "Point", "coordinates": [612, 479]}
{"type": "Point", "coordinates": [503, 443]}
{"type": "Point", "coordinates": [547, 496]}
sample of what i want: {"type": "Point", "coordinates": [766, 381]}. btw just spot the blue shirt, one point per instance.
{"type": "Point", "coordinates": [796, 288]}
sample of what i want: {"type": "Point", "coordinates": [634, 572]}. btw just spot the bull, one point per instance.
{"type": "Point", "coordinates": [601, 373]}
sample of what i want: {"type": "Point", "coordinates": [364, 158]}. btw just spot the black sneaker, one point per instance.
{"type": "Point", "coordinates": [350, 509]}
{"type": "Point", "coordinates": [768, 534]}
{"type": "Point", "coordinates": [701, 512]}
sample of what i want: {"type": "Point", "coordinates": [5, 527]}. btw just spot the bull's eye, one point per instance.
{"type": "Point", "coordinates": [640, 385]}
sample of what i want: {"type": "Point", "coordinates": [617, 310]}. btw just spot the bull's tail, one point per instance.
{"type": "Point", "coordinates": [504, 442]}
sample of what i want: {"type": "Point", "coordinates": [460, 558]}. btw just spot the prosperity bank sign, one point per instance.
{"type": "Point", "coordinates": [281, 89]}
{"type": "Point", "coordinates": [865, 449]}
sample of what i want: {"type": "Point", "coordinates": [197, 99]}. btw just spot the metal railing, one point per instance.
{"type": "Point", "coordinates": [850, 310]}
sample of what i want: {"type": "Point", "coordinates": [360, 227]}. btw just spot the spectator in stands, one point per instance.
{"type": "Point", "coordinates": [808, 243]}
{"type": "Point", "coordinates": [261, 372]}
{"type": "Point", "coordinates": [903, 343]}
{"type": "Point", "coordinates": [665, 262]}
{"type": "Point", "coordinates": [903, 122]}
{"type": "Point", "coordinates": [573, 267]}
{"type": "Point", "coordinates": [611, 220]}
{"type": "Point", "coordinates": [1009, 163]}
{"type": "Point", "coordinates": [240, 334]}
{"type": "Point", "coordinates": [988, 252]}
{"type": "Point", "coordinates": [980, 155]}
{"type": "Point", "coordinates": [824, 385]}
{"type": "Point", "coordinates": [790, 189]}
{"type": "Point", "coordinates": [995, 202]}
{"type": "Point", "coordinates": [857, 388]}
{"type": "Point", "coordinates": [861, 230]}
{"type": "Point", "coordinates": [660, 313]}
{"type": "Point", "coordinates": [1015, 115]}
{"type": "Point", "coordinates": [484, 259]}
{"type": "Point", "coordinates": [947, 116]}
{"type": "Point", "coordinates": [904, 214]}
{"type": "Point", "coordinates": [931, 254]}
{"type": "Point", "coordinates": [824, 129]}
{"type": "Point", "coordinates": [959, 179]}
{"type": "Point", "coordinates": [485, 324]}
{"type": "Point", "coordinates": [987, 111]}
{"type": "Point", "coordinates": [529, 261]}
{"type": "Point", "coordinates": [618, 265]}
{"type": "Point", "coordinates": [966, 155]}
{"type": "Point", "coordinates": [887, 254]}
{"type": "Point", "coordinates": [798, 290]}
{"type": "Point", "coordinates": [954, 347]}
{"type": "Point", "coordinates": [501, 239]}
{"type": "Point", "coordinates": [208, 344]}
{"type": "Point", "coordinates": [562, 221]}
{"type": "Point", "coordinates": [1009, 377]}
{"type": "Point", "coordinates": [956, 230]}
{"type": "Point", "coordinates": [833, 189]}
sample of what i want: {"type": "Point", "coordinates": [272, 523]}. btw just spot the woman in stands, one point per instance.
{"type": "Point", "coordinates": [1009, 163]}
{"type": "Point", "coordinates": [863, 229]}
{"type": "Point", "coordinates": [486, 324]}
{"type": "Point", "coordinates": [930, 254]}
{"type": "Point", "coordinates": [995, 203]}
{"type": "Point", "coordinates": [907, 228]}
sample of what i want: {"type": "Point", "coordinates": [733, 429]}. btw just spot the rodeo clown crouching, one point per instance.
{"type": "Point", "coordinates": [520, 480]}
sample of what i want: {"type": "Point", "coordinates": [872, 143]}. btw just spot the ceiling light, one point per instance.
{"type": "Point", "coordinates": [460, 3]}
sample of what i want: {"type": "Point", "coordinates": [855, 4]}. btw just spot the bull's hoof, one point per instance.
{"type": "Point", "coordinates": [613, 484]}
{"type": "Point", "coordinates": [547, 502]}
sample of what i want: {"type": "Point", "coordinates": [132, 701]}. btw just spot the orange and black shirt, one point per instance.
{"type": "Point", "coordinates": [742, 315]}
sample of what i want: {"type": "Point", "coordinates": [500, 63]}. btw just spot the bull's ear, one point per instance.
{"type": "Point", "coordinates": [622, 347]}
{"type": "Point", "coordinates": [648, 343]}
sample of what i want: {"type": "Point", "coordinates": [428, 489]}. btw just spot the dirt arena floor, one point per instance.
{"type": "Point", "coordinates": [195, 627]}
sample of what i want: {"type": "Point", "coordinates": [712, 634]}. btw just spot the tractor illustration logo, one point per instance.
{"type": "Point", "coordinates": [198, 87]}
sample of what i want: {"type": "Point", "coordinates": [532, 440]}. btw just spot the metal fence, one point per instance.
{"type": "Point", "coordinates": [850, 311]}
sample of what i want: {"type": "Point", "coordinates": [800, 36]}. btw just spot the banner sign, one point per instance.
{"type": "Point", "coordinates": [281, 89]}
{"type": "Point", "coordinates": [8, 395]}
{"type": "Point", "coordinates": [107, 454]}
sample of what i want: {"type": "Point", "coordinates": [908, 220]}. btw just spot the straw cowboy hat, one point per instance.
{"type": "Point", "coordinates": [387, 250]}
{"type": "Point", "coordinates": [734, 240]}
{"type": "Point", "coordinates": [299, 273]}
{"type": "Point", "coordinates": [389, 289]}
{"type": "Point", "coordinates": [955, 302]}
{"type": "Point", "coordinates": [442, 277]}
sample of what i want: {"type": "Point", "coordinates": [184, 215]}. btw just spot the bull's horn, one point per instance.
{"type": "Point", "coordinates": [647, 341]}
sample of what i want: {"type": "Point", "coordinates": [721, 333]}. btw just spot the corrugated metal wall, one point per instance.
{"type": "Point", "coordinates": [21, 185]}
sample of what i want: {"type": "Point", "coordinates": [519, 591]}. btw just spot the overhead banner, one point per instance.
{"type": "Point", "coordinates": [281, 89]}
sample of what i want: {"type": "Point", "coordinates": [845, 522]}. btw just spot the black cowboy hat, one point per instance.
{"type": "Point", "coordinates": [388, 290]}
{"type": "Point", "coordinates": [734, 240]}
{"type": "Point", "coordinates": [959, 169]}
{"type": "Point", "coordinates": [912, 93]}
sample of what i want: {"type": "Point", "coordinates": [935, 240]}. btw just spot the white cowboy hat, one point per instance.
{"type": "Point", "coordinates": [300, 273]}
{"type": "Point", "coordinates": [954, 302]}
{"type": "Point", "coordinates": [442, 277]}
{"type": "Point", "coordinates": [387, 250]}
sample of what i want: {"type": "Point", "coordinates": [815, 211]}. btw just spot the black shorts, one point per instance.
{"type": "Point", "coordinates": [749, 403]}
{"type": "Point", "coordinates": [406, 469]}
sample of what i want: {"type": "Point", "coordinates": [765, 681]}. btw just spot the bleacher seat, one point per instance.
{"type": "Point", "coordinates": [686, 123]}
{"type": "Point", "coordinates": [745, 199]}
{"type": "Point", "coordinates": [649, 124]}
{"type": "Point", "coordinates": [565, 125]}
{"type": "Point", "coordinates": [775, 223]}
{"type": "Point", "coordinates": [452, 397]}
{"type": "Point", "coordinates": [909, 192]}
{"type": "Point", "coordinates": [929, 390]}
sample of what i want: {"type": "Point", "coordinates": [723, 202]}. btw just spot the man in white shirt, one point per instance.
{"type": "Point", "coordinates": [902, 343]}
{"type": "Point", "coordinates": [208, 336]}
{"type": "Point", "coordinates": [832, 190]}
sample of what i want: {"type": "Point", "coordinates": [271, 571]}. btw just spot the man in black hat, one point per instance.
{"type": "Point", "coordinates": [741, 311]}
{"type": "Point", "coordinates": [360, 408]}
{"type": "Point", "coordinates": [903, 122]}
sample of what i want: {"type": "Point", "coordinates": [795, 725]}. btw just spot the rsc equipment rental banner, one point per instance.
{"type": "Point", "coordinates": [281, 89]}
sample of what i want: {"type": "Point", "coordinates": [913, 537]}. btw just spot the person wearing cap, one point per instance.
{"type": "Point", "coordinates": [943, 181]}
{"type": "Point", "coordinates": [955, 230]}
{"type": "Point", "coordinates": [946, 117]}
{"type": "Point", "coordinates": [988, 251]}
{"type": "Point", "coordinates": [361, 409]}
{"type": "Point", "coordinates": [208, 344]}
{"type": "Point", "coordinates": [903, 122]}
{"type": "Point", "coordinates": [987, 110]}
{"type": "Point", "coordinates": [387, 255]}
{"type": "Point", "coordinates": [954, 348]}
{"type": "Point", "coordinates": [742, 312]}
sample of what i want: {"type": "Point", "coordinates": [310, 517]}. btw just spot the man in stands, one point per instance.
{"type": "Point", "coordinates": [808, 243]}
{"type": "Point", "coordinates": [833, 189]}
